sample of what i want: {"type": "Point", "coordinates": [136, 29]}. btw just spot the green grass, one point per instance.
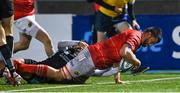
{"type": "Point", "coordinates": [106, 84]}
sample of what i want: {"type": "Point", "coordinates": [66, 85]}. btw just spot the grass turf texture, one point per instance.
{"type": "Point", "coordinates": [139, 83]}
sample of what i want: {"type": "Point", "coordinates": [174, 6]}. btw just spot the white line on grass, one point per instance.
{"type": "Point", "coordinates": [70, 86]}
{"type": "Point", "coordinates": [138, 81]}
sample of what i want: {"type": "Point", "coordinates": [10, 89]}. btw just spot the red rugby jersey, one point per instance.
{"type": "Point", "coordinates": [23, 8]}
{"type": "Point", "coordinates": [106, 53]}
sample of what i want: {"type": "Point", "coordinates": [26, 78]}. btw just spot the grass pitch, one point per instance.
{"type": "Point", "coordinates": [166, 82]}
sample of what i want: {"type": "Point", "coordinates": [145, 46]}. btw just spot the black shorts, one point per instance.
{"type": "Point", "coordinates": [56, 61]}
{"type": "Point", "coordinates": [6, 8]}
{"type": "Point", "coordinates": [104, 23]}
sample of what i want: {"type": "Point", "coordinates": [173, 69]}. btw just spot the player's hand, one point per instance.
{"type": "Point", "coordinates": [119, 82]}
{"type": "Point", "coordinates": [118, 79]}
{"type": "Point", "coordinates": [137, 65]}
{"type": "Point", "coordinates": [135, 25]}
{"type": "Point", "coordinates": [81, 45]}
{"type": "Point", "coordinates": [118, 10]}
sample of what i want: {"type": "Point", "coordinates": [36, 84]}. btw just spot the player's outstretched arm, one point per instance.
{"type": "Point", "coordinates": [129, 56]}
{"type": "Point", "coordinates": [117, 78]}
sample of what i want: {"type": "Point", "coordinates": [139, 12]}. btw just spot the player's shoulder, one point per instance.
{"type": "Point", "coordinates": [133, 31]}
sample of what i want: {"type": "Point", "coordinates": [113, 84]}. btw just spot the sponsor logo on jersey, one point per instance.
{"type": "Point", "coordinates": [29, 24]}
{"type": "Point", "coordinates": [77, 73]}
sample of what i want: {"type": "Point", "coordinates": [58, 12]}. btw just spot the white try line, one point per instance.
{"type": "Point", "coordinates": [72, 86]}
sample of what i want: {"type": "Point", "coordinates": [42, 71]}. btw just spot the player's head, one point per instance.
{"type": "Point", "coordinates": [151, 35]}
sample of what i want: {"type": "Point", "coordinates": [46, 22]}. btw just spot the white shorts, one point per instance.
{"type": "Point", "coordinates": [28, 25]}
{"type": "Point", "coordinates": [81, 65]}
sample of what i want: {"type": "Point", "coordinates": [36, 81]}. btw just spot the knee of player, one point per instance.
{"type": "Point", "coordinates": [26, 46]}
{"type": "Point", "coordinates": [23, 45]}
{"type": "Point", "coordinates": [7, 24]}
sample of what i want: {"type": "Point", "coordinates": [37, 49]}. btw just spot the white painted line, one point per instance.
{"type": "Point", "coordinates": [54, 87]}
{"type": "Point", "coordinates": [138, 81]}
{"type": "Point", "coordinates": [72, 86]}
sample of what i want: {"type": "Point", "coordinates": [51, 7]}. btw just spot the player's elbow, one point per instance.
{"type": "Point", "coordinates": [129, 56]}
{"type": "Point", "coordinates": [125, 53]}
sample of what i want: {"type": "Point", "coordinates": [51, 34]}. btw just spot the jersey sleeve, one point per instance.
{"type": "Point", "coordinates": [133, 41]}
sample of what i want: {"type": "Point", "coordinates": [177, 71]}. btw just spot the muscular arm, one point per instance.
{"type": "Point", "coordinates": [117, 76]}
{"type": "Point", "coordinates": [129, 56]}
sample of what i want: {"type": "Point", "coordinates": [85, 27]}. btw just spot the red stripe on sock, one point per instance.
{"type": "Point", "coordinates": [40, 70]}
{"type": "Point", "coordinates": [69, 72]}
{"type": "Point", "coordinates": [64, 73]}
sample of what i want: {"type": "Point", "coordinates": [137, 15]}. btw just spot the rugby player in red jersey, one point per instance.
{"type": "Point", "coordinates": [24, 15]}
{"type": "Point", "coordinates": [100, 55]}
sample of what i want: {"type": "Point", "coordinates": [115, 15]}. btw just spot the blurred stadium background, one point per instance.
{"type": "Point", "coordinates": [72, 19]}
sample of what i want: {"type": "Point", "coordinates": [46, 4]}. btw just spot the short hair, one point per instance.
{"type": "Point", "coordinates": [155, 31]}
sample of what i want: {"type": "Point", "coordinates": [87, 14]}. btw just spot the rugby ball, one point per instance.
{"type": "Point", "coordinates": [125, 66]}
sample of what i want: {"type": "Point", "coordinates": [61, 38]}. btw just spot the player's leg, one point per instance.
{"type": "Point", "coordinates": [29, 26]}
{"type": "Point", "coordinates": [100, 36]}
{"type": "Point", "coordinates": [41, 34]}
{"type": "Point", "coordinates": [55, 61]}
{"type": "Point", "coordinates": [30, 71]}
{"type": "Point", "coordinates": [44, 37]}
{"type": "Point", "coordinates": [32, 79]}
{"type": "Point", "coordinates": [80, 65]}
{"type": "Point", "coordinates": [2, 41]}
{"type": "Point", "coordinates": [41, 70]}
{"type": "Point", "coordinates": [102, 25]}
{"type": "Point", "coordinates": [8, 27]}
{"type": "Point", "coordinates": [2, 66]}
{"type": "Point", "coordinates": [23, 43]}
{"type": "Point", "coordinates": [122, 26]}
{"type": "Point", "coordinates": [94, 35]}
{"type": "Point", "coordinates": [6, 48]}
{"type": "Point", "coordinates": [2, 35]}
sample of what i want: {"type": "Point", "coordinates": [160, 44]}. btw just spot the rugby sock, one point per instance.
{"type": "Point", "coordinates": [40, 70]}
{"type": "Point", "coordinates": [6, 53]}
{"type": "Point", "coordinates": [9, 40]}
